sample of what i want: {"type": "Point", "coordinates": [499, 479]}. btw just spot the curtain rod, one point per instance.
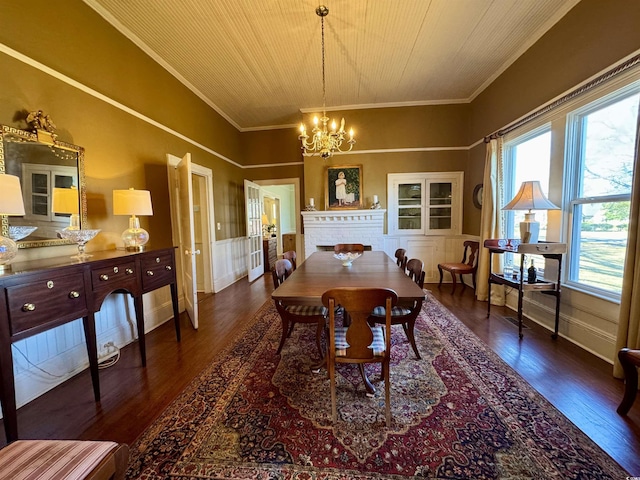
{"type": "Point", "coordinates": [632, 62]}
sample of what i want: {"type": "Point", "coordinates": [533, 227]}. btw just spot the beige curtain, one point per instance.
{"type": "Point", "coordinates": [491, 223]}
{"type": "Point", "coordinates": [629, 319]}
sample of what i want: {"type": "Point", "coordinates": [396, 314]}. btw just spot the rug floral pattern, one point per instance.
{"type": "Point", "coordinates": [459, 412]}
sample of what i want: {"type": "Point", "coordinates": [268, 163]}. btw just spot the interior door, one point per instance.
{"type": "Point", "coordinates": [187, 237]}
{"type": "Point", "coordinates": [253, 202]}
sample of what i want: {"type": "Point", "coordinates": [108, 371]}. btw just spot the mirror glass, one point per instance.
{"type": "Point", "coordinates": [51, 172]}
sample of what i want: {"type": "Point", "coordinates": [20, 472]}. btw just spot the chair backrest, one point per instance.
{"type": "Point", "coordinates": [348, 247]}
{"type": "Point", "coordinates": [470, 256]}
{"type": "Point", "coordinates": [415, 270]}
{"type": "Point", "coordinates": [291, 256]}
{"type": "Point", "coordinates": [401, 258]}
{"type": "Point", "coordinates": [359, 302]}
{"type": "Point", "coordinates": [281, 270]}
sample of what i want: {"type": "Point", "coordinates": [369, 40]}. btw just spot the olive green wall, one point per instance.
{"type": "Point", "coordinates": [121, 150]}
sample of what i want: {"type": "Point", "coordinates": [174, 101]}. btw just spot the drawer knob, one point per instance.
{"type": "Point", "coordinates": [104, 277]}
{"type": "Point", "coordinates": [116, 269]}
{"type": "Point", "coordinates": [157, 259]}
{"type": "Point", "coordinates": [73, 294]}
{"type": "Point", "coordinates": [167, 267]}
{"type": "Point", "coordinates": [128, 271]}
{"type": "Point", "coordinates": [50, 284]}
{"type": "Point", "coordinates": [28, 307]}
{"type": "Point", "coordinates": [149, 273]}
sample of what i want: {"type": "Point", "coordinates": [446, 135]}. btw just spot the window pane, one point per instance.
{"type": "Point", "coordinates": [609, 143]}
{"type": "Point", "coordinates": [601, 245]}
{"type": "Point", "coordinates": [530, 161]}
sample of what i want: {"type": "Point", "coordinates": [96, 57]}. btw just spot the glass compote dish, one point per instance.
{"type": "Point", "coordinates": [18, 232]}
{"type": "Point", "coordinates": [80, 237]}
{"type": "Point", "coordinates": [347, 257]}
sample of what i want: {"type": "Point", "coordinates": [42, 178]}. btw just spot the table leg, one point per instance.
{"type": "Point", "coordinates": [8, 392]}
{"type": "Point", "coordinates": [89, 324]}
{"type": "Point", "coordinates": [137, 302]}
{"type": "Point", "coordinates": [176, 313]}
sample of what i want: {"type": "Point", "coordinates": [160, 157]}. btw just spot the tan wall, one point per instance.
{"type": "Point", "coordinates": [121, 150]}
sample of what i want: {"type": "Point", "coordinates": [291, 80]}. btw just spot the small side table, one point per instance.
{"type": "Point", "coordinates": [547, 250]}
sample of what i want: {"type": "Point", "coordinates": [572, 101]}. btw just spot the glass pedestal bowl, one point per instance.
{"type": "Point", "coordinates": [347, 258]}
{"type": "Point", "coordinates": [79, 237]}
{"type": "Point", "coordinates": [18, 232]}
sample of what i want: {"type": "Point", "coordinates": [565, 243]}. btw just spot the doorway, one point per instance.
{"type": "Point", "coordinates": [284, 194]}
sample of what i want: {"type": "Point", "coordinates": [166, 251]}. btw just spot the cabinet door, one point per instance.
{"type": "Point", "coordinates": [444, 204]}
{"type": "Point", "coordinates": [408, 206]}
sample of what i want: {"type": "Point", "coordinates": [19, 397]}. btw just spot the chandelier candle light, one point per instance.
{"type": "Point", "coordinates": [133, 202]}
{"type": "Point", "coordinates": [324, 142]}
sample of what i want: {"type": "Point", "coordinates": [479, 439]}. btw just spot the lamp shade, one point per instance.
{"type": "Point", "coordinates": [11, 202]}
{"type": "Point", "coordinates": [65, 200]}
{"type": "Point", "coordinates": [530, 197]}
{"type": "Point", "coordinates": [265, 219]}
{"type": "Point", "coordinates": [132, 202]}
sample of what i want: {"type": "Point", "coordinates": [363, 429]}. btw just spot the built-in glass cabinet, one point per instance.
{"type": "Point", "coordinates": [425, 203]}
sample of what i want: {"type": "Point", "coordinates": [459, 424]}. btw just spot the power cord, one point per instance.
{"type": "Point", "coordinates": [112, 357]}
{"type": "Point", "coordinates": [33, 364]}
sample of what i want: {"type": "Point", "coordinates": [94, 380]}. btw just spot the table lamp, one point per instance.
{"type": "Point", "coordinates": [11, 203]}
{"type": "Point", "coordinates": [133, 202]}
{"type": "Point", "coordinates": [67, 201]}
{"type": "Point", "coordinates": [530, 197]}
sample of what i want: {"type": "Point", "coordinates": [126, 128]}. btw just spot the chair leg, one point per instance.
{"type": "Point", "coordinates": [440, 270]}
{"type": "Point", "coordinates": [387, 392]}
{"type": "Point", "coordinates": [285, 330]}
{"type": "Point", "coordinates": [455, 284]}
{"type": "Point", "coordinates": [332, 380]}
{"type": "Point", "coordinates": [473, 279]}
{"type": "Point", "coordinates": [408, 329]}
{"type": "Point", "coordinates": [319, 329]}
{"type": "Point", "coordinates": [631, 383]}
{"type": "Point", "coordinates": [462, 282]}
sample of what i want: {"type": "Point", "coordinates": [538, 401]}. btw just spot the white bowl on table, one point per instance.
{"type": "Point", "coordinates": [347, 257]}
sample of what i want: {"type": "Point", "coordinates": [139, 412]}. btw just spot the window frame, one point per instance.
{"type": "Point", "coordinates": [573, 181]}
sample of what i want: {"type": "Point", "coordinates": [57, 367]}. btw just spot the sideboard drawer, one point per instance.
{"type": "Point", "coordinates": [157, 271]}
{"type": "Point", "coordinates": [120, 275]}
{"type": "Point", "coordinates": [46, 301]}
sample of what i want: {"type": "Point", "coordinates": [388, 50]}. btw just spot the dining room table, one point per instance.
{"type": "Point", "coordinates": [321, 271]}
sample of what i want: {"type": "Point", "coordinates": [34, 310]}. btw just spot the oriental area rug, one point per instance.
{"type": "Point", "coordinates": [459, 412]}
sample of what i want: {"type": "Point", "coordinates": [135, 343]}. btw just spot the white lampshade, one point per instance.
{"type": "Point", "coordinates": [65, 200]}
{"type": "Point", "coordinates": [11, 202]}
{"type": "Point", "coordinates": [530, 197]}
{"type": "Point", "coordinates": [132, 202]}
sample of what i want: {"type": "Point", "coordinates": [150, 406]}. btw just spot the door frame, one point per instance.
{"type": "Point", "coordinates": [296, 195]}
{"type": "Point", "coordinates": [196, 169]}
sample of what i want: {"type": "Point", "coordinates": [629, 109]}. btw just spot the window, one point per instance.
{"type": "Point", "coordinates": [601, 140]}
{"type": "Point", "coordinates": [527, 157]}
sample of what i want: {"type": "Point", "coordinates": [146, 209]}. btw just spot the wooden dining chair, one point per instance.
{"type": "Point", "coordinates": [291, 256]}
{"type": "Point", "coordinates": [468, 265]}
{"type": "Point", "coordinates": [359, 343]}
{"type": "Point", "coordinates": [348, 247]}
{"type": "Point", "coordinates": [292, 314]}
{"type": "Point", "coordinates": [401, 314]}
{"type": "Point", "coordinates": [630, 361]}
{"type": "Point", "coordinates": [401, 258]}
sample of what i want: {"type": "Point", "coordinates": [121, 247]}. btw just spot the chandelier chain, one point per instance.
{"type": "Point", "coordinates": [324, 87]}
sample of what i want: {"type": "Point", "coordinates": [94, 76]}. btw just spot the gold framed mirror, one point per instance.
{"type": "Point", "coordinates": [44, 166]}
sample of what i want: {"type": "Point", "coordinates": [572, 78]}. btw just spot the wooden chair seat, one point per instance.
{"type": "Point", "coordinates": [292, 314]}
{"type": "Point", "coordinates": [405, 315]}
{"type": "Point", "coordinates": [468, 265]}
{"type": "Point", "coordinates": [63, 460]}
{"type": "Point", "coordinates": [630, 361]}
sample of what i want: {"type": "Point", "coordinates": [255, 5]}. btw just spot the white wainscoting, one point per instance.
{"type": "Point", "coordinates": [229, 262]}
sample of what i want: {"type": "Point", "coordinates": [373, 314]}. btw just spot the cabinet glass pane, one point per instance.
{"type": "Point", "coordinates": [40, 183]}
{"type": "Point", "coordinates": [39, 205]}
{"type": "Point", "coordinates": [440, 218]}
{"type": "Point", "coordinates": [440, 193]}
{"type": "Point", "coordinates": [409, 193]}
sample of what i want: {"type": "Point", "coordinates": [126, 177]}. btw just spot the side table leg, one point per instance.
{"type": "Point", "coordinates": [89, 324]}
{"type": "Point", "coordinates": [176, 313]}
{"type": "Point", "coordinates": [137, 302]}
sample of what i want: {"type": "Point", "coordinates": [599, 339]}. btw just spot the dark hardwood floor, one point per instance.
{"type": "Point", "coordinates": [576, 382]}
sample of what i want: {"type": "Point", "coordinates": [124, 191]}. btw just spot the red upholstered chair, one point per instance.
{"type": "Point", "coordinates": [292, 314]}
{"type": "Point", "coordinates": [630, 360]}
{"type": "Point", "coordinates": [405, 315]}
{"type": "Point", "coordinates": [468, 265]}
{"type": "Point", "coordinates": [359, 343]}
{"type": "Point", "coordinates": [64, 460]}
{"type": "Point", "coordinates": [348, 247]}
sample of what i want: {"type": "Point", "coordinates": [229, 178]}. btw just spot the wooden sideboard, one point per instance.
{"type": "Point", "coordinates": [42, 294]}
{"type": "Point", "coordinates": [270, 252]}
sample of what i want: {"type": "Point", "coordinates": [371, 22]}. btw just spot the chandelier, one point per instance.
{"type": "Point", "coordinates": [324, 142]}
